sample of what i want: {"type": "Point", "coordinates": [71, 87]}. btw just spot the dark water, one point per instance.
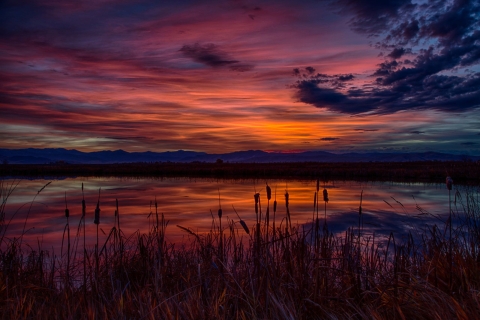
{"type": "Point", "coordinates": [387, 206]}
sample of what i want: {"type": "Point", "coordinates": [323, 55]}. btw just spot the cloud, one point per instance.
{"type": "Point", "coordinates": [241, 67]}
{"type": "Point", "coordinates": [208, 54]}
{"type": "Point", "coordinates": [371, 16]}
{"type": "Point", "coordinates": [469, 143]}
{"type": "Point", "coordinates": [346, 77]}
{"type": "Point", "coordinates": [366, 130]}
{"type": "Point", "coordinates": [397, 53]}
{"type": "Point", "coordinates": [329, 139]}
{"type": "Point", "coordinates": [428, 81]}
{"type": "Point", "coordinates": [417, 132]}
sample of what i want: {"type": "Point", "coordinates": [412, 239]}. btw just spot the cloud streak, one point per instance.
{"type": "Point", "coordinates": [234, 76]}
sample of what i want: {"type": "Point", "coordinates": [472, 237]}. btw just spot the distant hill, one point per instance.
{"type": "Point", "coordinates": [45, 156]}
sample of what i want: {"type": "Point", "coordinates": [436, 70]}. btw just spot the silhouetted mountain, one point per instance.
{"type": "Point", "coordinates": [60, 155]}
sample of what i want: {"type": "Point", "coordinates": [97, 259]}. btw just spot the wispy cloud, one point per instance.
{"type": "Point", "coordinates": [237, 75]}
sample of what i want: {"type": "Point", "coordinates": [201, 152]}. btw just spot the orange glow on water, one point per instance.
{"type": "Point", "coordinates": [189, 203]}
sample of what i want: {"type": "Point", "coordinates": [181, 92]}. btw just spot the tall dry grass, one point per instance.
{"type": "Point", "coordinates": [277, 271]}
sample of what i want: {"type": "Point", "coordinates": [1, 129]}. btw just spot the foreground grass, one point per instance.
{"type": "Point", "coordinates": [276, 270]}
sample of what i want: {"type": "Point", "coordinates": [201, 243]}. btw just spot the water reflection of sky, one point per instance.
{"type": "Point", "coordinates": [387, 206]}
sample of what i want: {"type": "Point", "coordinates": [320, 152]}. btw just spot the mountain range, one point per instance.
{"type": "Point", "coordinates": [60, 155]}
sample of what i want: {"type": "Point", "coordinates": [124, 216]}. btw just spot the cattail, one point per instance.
{"type": "Point", "coordinates": [318, 185]}
{"type": "Point", "coordinates": [275, 206]}
{"type": "Point", "coordinates": [257, 198]}
{"type": "Point", "coordinates": [286, 198]}
{"type": "Point", "coordinates": [269, 193]}
{"type": "Point", "coordinates": [67, 212]}
{"type": "Point", "coordinates": [244, 225]}
{"type": "Point", "coordinates": [96, 219]}
{"type": "Point", "coordinates": [325, 195]}
{"type": "Point", "coordinates": [449, 183]}
{"type": "Point", "coordinates": [360, 207]}
{"type": "Point", "coordinates": [220, 212]}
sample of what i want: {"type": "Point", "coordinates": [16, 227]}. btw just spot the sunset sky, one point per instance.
{"type": "Point", "coordinates": [222, 76]}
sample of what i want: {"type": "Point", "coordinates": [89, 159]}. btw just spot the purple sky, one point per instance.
{"type": "Point", "coordinates": [236, 75]}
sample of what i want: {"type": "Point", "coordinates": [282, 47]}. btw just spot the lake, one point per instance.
{"type": "Point", "coordinates": [387, 206]}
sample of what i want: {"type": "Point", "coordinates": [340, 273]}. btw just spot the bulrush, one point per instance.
{"type": "Point", "coordinates": [84, 209]}
{"type": "Point", "coordinates": [96, 219]}
{"type": "Point", "coordinates": [257, 199]}
{"type": "Point", "coordinates": [220, 212]}
{"type": "Point", "coordinates": [325, 199]}
{"type": "Point", "coordinates": [325, 195]}
{"type": "Point", "coordinates": [449, 183]}
{"type": "Point", "coordinates": [67, 215]}
{"type": "Point", "coordinates": [288, 209]}
{"type": "Point", "coordinates": [269, 193]}
{"type": "Point", "coordinates": [244, 225]}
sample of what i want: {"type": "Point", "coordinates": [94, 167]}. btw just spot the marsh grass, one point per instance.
{"type": "Point", "coordinates": [271, 273]}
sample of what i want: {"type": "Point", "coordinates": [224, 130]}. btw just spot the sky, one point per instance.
{"type": "Point", "coordinates": [222, 76]}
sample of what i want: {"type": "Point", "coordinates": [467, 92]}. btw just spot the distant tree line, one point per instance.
{"type": "Point", "coordinates": [426, 171]}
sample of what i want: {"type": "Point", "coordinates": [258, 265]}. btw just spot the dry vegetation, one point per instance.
{"type": "Point", "coordinates": [275, 270]}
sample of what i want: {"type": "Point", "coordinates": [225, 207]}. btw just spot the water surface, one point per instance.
{"type": "Point", "coordinates": [387, 206]}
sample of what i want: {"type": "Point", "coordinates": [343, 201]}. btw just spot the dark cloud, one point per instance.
{"type": "Point", "coordinates": [452, 24]}
{"type": "Point", "coordinates": [240, 67]}
{"type": "Point", "coordinates": [417, 132]}
{"type": "Point", "coordinates": [469, 143]}
{"type": "Point", "coordinates": [310, 70]}
{"type": "Point", "coordinates": [430, 80]}
{"type": "Point", "coordinates": [366, 130]}
{"type": "Point", "coordinates": [208, 54]}
{"type": "Point", "coordinates": [329, 139]}
{"type": "Point", "coordinates": [404, 32]}
{"type": "Point", "coordinates": [346, 77]}
{"type": "Point", "coordinates": [412, 90]}
{"type": "Point", "coordinates": [397, 53]}
{"type": "Point", "coordinates": [372, 16]}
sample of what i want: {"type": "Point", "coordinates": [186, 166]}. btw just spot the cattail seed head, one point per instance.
{"type": "Point", "coordinates": [449, 183]}
{"type": "Point", "coordinates": [67, 213]}
{"type": "Point", "coordinates": [257, 197]}
{"type": "Point", "coordinates": [244, 225]}
{"type": "Point", "coordinates": [318, 185]}
{"type": "Point", "coordinates": [269, 192]}
{"type": "Point", "coordinates": [325, 195]}
{"type": "Point", "coordinates": [286, 199]}
{"type": "Point", "coordinates": [220, 213]}
{"type": "Point", "coordinates": [96, 219]}
{"type": "Point", "coordinates": [275, 206]}
{"type": "Point", "coordinates": [84, 208]}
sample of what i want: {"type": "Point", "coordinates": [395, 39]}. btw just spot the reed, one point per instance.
{"type": "Point", "coordinates": [280, 276]}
